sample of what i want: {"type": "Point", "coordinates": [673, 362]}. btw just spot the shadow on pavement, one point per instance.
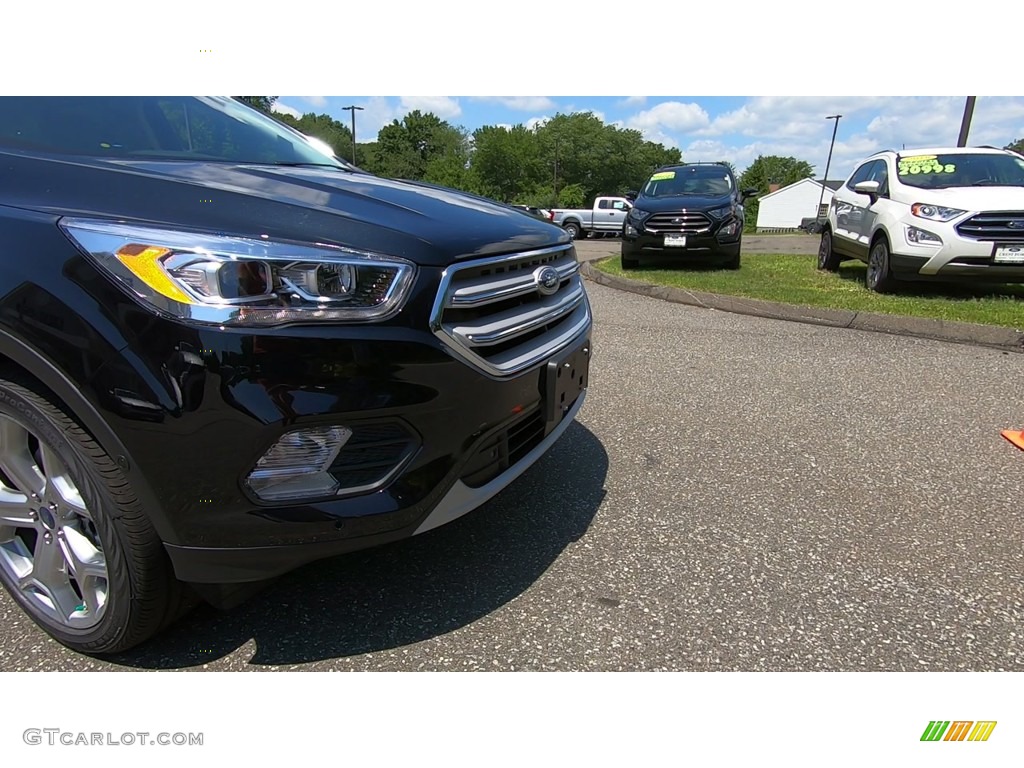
{"type": "Point", "coordinates": [409, 591]}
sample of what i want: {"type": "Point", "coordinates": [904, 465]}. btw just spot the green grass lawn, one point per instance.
{"type": "Point", "coordinates": [796, 280]}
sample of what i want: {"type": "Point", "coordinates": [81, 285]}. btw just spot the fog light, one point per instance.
{"type": "Point", "coordinates": [922, 237]}
{"type": "Point", "coordinates": [296, 465]}
{"type": "Point", "coordinates": [730, 228]}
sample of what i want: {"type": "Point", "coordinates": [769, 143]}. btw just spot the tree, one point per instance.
{"type": "Point", "coordinates": [262, 103]}
{"type": "Point", "coordinates": [506, 162]}
{"type": "Point", "coordinates": [422, 147]}
{"type": "Point", "coordinates": [767, 170]}
{"type": "Point", "coordinates": [1016, 146]}
{"type": "Point", "coordinates": [324, 127]}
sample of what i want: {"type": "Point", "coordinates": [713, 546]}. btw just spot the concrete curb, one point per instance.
{"type": "Point", "coordinates": [1006, 339]}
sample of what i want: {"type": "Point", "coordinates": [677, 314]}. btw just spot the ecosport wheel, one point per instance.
{"type": "Point", "coordinates": [76, 551]}
{"type": "Point", "coordinates": [828, 259]}
{"type": "Point", "coordinates": [573, 229]}
{"type": "Point", "coordinates": [879, 275]}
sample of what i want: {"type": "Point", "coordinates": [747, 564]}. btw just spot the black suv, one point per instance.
{"type": "Point", "coordinates": [686, 212]}
{"type": "Point", "coordinates": [225, 353]}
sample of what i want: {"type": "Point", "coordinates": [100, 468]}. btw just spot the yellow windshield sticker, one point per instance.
{"type": "Point", "coordinates": [923, 164]}
{"type": "Point", "coordinates": [663, 175]}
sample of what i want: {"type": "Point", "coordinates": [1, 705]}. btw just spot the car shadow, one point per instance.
{"type": "Point", "coordinates": [409, 591]}
{"type": "Point", "coordinates": [939, 289]}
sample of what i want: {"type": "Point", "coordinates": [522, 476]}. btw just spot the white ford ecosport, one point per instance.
{"type": "Point", "coordinates": [930, 213]}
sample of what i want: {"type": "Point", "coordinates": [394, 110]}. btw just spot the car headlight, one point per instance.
{"type": "Point", "coordinates": [635, 215]}
{"type": "Point", "coordinates": [721, 213]}
{"type": "Point", "coordinates": [934, 212]}
{"type": "Point", "coordinates": [918, 236]}
{"type": "Point", "coordinates": [235, 281]}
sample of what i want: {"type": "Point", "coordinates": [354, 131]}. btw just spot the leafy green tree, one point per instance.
{"type": "Point", "coordinates": [412, 149]}
{"type": "Point", "coordinates": [771, 169]}
{"type": "Point", "coordinates": [506, 162]}
{"type": "Point", "coordinates": [1016, 146]}
{"type": "Point", "coordinates": [262, 103]}
{"type": "Point", "coordinates": [324, 127]}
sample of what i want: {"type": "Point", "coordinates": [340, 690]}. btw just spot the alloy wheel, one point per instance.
{"type": "Point", "coordinates": [50, 549]}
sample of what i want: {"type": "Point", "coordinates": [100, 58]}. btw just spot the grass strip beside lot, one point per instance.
{"type": "Point", "coordinates": [796, 280]}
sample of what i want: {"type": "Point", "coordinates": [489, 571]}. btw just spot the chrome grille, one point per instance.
{"type": "Point", "coordinates": [683, 222]}
{"type": "Point", "coordinates": [1004, 226]}
{"type": "Point", "coordinates": [490, 313]}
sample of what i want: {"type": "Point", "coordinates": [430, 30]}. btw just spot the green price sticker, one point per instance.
{"type": "Point", "coordinates": [910, 166]}
{"type": "Point", "coordinates": [663, 175]}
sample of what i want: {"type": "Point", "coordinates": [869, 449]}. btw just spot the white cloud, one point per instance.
{"type": "Point", "coordinates": [444, 107]}
{"type": "Point", "coordinates": [633, 101]}
{"type": "Point", "coordinates": [523, 103]}
{"type": "Point", "coordinates": [661, 122]}
{"type": "Point", "coordinates": [284, 109]}
{"type": "Point", "coordinates": [317, 101]}
{"type": "Point", "coordinates": [536, 122]}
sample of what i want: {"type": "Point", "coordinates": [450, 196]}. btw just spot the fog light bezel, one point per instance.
{"type": "Point", "coordinates": [339, 435]}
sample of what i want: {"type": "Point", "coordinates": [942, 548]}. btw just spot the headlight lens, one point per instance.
{"type": "Point", "coordinates": [235, 281]}
{"type": "Point", "coordinates": [919, 236]}
{"type": "Point", "coordinates": [934, 212]}
{"type": "Point", "coordinates": [721, 213]}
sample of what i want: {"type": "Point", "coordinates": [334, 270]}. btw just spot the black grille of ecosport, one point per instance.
{"type": "Point", "coordinates": [1002, 226]}
{"type": "Point", "coordinates": [682, 222]}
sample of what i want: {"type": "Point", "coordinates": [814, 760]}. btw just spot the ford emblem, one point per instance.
{"type": "Point", "coordinates": [547, 279]}
{"type": "Point", "coordinates": [1015, 224]}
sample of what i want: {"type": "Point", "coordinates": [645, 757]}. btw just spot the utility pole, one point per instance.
{"type": "Point", "coordinates": [828, 163]}
{"type": "Point", "coordinates": [965, 126]}
{"type": "Point", "coordinates": [353, 108]}
{"type": "Point", "coordinates": [556, 172]}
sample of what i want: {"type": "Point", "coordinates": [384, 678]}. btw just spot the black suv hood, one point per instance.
{"type": "Point", "coordinates": [426, 224]}
{"type": "Point", "coordinates": [682, 202]}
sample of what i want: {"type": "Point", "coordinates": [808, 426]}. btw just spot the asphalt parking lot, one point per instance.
{"type": "Point", "coordinates": [739, 494]}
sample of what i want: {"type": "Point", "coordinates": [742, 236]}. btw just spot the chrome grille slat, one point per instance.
{"type": "Point", "coordinates": [512, 323]}
{"type": "Point", "coordinates": [484, 290]}
{"type": "Point", "coordinates": [490, 313]}
{"type": "Point", "coordinates": [993, 225]}
{"type": "Point", "coordinates": [683, 222]}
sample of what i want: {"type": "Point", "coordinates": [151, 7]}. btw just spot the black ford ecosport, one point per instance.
{"type": "Point", "coordinates": [225, 353]}
{"type": "Point", "coordinates": [685, 213]}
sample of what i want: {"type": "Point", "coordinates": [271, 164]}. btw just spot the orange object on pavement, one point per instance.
{"type": "Point", "coordinates": [1017, 438]}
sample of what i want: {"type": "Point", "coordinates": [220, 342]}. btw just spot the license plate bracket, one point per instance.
{"type": "Point", "coordinates": [564, 380]}
{"type": "Point", "coordinates": [1008, 254]}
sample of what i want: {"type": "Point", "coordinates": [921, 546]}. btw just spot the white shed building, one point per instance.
{"type": "Point", "coordinates": [784, 209]}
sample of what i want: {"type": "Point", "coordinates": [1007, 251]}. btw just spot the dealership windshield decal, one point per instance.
{"type": "Point", "coordinates": [923, 164]}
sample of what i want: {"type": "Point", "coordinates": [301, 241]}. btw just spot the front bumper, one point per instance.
{"type": "Point", "coordinates": [196, 409]}
{"type": "Point", "coordinates": [957, 256]}
{"type": "Point", "coordinates": [698, 246]}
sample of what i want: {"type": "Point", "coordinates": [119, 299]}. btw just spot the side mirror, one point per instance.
{"type": "Point", "coordinates": [631, 194]}
{"type": "Point", "coordinates": [869, 188]}
{"type": "Point", "coordinates": [749, 193]}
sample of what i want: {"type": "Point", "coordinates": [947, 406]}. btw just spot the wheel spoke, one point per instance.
{"type": "Point", "coordinates": [15, 511]}
{"type": "Point", "coordinates": [89, 568]}
{"type": "Point", "coordinates": [15, 460]}
{"type": "Point", "coordinates": [59, 487]}
{"type": "Point", "coordinates": [49, 580]}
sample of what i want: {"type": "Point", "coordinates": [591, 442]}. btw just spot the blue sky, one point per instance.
{"type": "Point", "coordinates": [733, 128]}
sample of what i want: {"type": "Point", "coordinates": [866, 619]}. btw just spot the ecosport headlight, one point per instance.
{"type": "Point", "coordinates": [236, 281]}
{"type": "Point", "coordinates": [934, 212]}
{"type": "Point", "coordinates": [721, 213]}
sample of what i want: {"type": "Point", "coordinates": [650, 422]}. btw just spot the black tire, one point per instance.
{"type": "Point", "coordinates": [573, 229]}
{"type": "Point", "coordinates": [125, 584]}
{"type": "Point", "coordinates": [733, 262]}
{"type": "Point", "coordinates": [828, 259]}
{"type": "Point", "coordinates": [628, 263]}
{"type": "Point", "coordinates": [879, 277]}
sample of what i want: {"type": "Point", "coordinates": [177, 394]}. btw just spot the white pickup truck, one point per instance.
{"type": "Point", "coordinates": [606, 216]}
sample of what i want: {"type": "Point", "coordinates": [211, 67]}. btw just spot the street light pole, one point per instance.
{"type": "Point", "coordinates": [965, 126]}
{"type": "Point", "coordinates": [828, 163]}
{"type": "Point", "coordinates": [353, 108]}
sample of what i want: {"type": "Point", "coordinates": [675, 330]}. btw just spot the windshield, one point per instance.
{"type": "Point", "coordinates": [960, 170]}
{"type": "Point", "coordinates": [695, 180]}
{"type": "Point", "coordinates": [154, 127]}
